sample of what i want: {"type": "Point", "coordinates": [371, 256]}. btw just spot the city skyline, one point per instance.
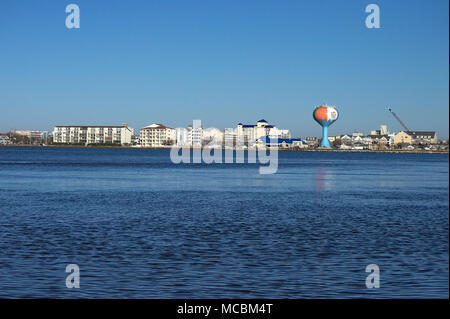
{"type": "Point", "coordinates": [137, 130]}
{"type": "Point", "coordinates": [224, 63]}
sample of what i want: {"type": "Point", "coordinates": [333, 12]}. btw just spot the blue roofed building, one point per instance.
{"type": "Point", "coordinates": [248, 135]}
{"type": "Point", "coordinates": [281, 142]}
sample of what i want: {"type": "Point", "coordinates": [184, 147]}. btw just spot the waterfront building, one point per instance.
{"type": "Point", "coordinates": [135, 140]}
{"type": "Point", "coordinates": [277, 133]}
{"type": "Point", "coordinates": [182, 137]}
{"type": "Point", "coordinates": [379, 138]}
{"type": "Point", "coordinates": [249, 134]}
{"type": "Point", "coordinates": [379, 142]}
{"type": "Point", "coordinates": [345, 139]}
{"type": "Point", "coordinates": [230, 138]}
{"type": "Point", "coordinates": [391, 138]}
{"type": "Point", "coordinates": [195, 135]}
{"type": "Point", "coordinates": [415, 137]}
{"type": "Point", "coordinates": [312, 141]}
{"type": "Point", "coordinates": [71, 134]}
{"type": "Point", "coordinates": [281, 142]}
{"type": "Point", "coordinates": [4, 139]}
{"type": "Point", "coordinates": [32, 135]}
{"type": "Point", "coordinates": [299, 143]}
{"type": "Point", "coordinates": [157, 135]}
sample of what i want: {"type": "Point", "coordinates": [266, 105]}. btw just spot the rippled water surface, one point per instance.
{"type": "Point", "coordinates": [139, 226]}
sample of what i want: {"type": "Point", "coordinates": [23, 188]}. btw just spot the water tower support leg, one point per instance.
{"type": "Point", "coordinates": [325, 141]}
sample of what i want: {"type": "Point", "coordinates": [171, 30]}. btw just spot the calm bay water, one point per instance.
{"type": "Point", "coordinates": [139, 226]}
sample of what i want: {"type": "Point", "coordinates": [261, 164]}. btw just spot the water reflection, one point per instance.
{"type": "Point", "coordinates": [324, 179]}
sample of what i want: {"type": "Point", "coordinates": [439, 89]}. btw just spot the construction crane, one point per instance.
{"type": "Point", "coordinates": [398, 119]}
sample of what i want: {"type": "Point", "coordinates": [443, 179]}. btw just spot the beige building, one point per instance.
{"type": "Point", "coordinates": [411, 137]}
{"type": "Point", "coordinates": [93, 134]}
{"type": "Point", "coordinates": [157, 135]}
{"type": "Point", "coordinates": [382, 131]}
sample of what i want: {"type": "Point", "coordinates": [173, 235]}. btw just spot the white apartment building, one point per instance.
{"type": "Point", "coordinates": [157, 135]}
{"type": "Point", "coordinates": [182, 137]}
{"type": "Point", "coordinates": [190, 136]}
{"type": "Point", "coordinates": [249, 134]}
{"type": "Point", "coordinates": [93, 134]}
{"type": "Point", "coordinates": [230, 138]}
{"type": "Point", "coordinates": [195, 135]}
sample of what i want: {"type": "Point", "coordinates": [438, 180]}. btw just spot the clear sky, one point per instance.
{"type": "Point", "coordinates": [224, 62]}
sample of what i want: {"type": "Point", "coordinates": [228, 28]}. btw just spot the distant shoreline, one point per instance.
{"type": "Point", "coordinates": [280, 149]}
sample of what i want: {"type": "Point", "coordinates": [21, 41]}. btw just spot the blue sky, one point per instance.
{"type": "Point", "coordinates": [224, 62]}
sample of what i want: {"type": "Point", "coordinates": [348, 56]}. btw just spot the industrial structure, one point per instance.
{"type": "Point", "coordinates": [325, 115]}
{"type": "Point", "coordinates": [398, 119]}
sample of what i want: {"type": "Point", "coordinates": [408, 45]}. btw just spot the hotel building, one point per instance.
{"type": "Point", "coordinates": [249, 134]}
{"type": "Point", "coordinates": [93, 134]}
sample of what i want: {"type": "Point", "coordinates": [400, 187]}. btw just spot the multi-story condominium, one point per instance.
{"type": "Point", "coordinates": [182, 136]}
{"type": "Point", "coordinates": [35, 135]}
{"type": "Point", "coordinates": [157, 135]}
{"type": "Point", "coordinates": [230, 138]}
{"type": "Point", "coordinates": [195, 135]}
{"type": "Point", "coordinates": [190, 136]}
{"type": "Point", "coordinates": [249, 134]}
{"type": "Point", "coordinates": [93, 134]}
